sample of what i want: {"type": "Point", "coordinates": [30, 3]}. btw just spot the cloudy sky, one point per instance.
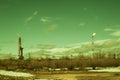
{"type": "Point", "coordinates": [56, 22]}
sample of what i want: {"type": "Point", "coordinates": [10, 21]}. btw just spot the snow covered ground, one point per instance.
{"type": "Point", "coordinates": [21, 74]}
{"type": "Point", "coordinates": [111, 69]}
{"type": "Point", "coordinates": [17, 74]}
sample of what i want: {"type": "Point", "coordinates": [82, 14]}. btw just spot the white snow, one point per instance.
{"type": "Point", "coordinates": [111, 69]}
{"type": "Point", "coordinates": [17, 74]}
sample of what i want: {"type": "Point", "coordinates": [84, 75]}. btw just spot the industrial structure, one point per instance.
{"type": "Point", "coordinates": [93, 36]}
{"type": "Point", "coordinates": [20, 50]}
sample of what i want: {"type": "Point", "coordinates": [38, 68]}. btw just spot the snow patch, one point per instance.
{"type": "Point", "coordinates": [114, 69]}
{"type": "Point", "coordinates": [17, 74]}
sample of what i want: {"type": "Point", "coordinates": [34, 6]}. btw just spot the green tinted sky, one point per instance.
{"type": "Point", "coordinates": [57, 22]}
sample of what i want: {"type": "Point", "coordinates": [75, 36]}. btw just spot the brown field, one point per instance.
{"type": "Point", "coordinates": [40, 68]}
{"type": "Point", "coordinates": [72, 75]}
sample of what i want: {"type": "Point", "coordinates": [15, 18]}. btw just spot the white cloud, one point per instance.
{"type": "Point", "coordinates": [51, 50]}
{"type": "Point", "coordinates": [30, 18]}
{"type": "Point", "coordinates": [116, 33]}
{"type": "Point", "coordinates": [108, 29]}
{"type": "Point", "coordinates": [45, 19]}
{"type": "Point", "coordinates": [82, 24]}
{"type": "Point", "coordinates": [50, 19]}
{"type": "Point", "coordinates": [99, 44]}
{"type": "Point", "coordinates": [107, 43]}
{"type": "Point", "coordinates": [57, 50]}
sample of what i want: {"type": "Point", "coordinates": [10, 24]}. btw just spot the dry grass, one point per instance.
{"type": "Point", "coordinates": [68, 76]}
{"type": "Point", "coordinates": [82, 76]}
{"type": "Point", "coordinates": [97, 78]}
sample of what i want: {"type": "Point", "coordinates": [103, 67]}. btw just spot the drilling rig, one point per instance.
{"type": "Point", "coordinates": [20, 50]}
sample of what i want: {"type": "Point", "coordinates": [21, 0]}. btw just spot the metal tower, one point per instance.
{"type": "Point", "coordinates": [20, 49]}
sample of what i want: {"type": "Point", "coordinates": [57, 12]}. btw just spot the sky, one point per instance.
{"type": "Point", "coordinates": [56, 23]}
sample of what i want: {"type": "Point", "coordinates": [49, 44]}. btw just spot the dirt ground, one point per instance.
{"type": "Point", "coordinates": [68, 76]}
{"type": "Point", "coordinates": [81, 76]}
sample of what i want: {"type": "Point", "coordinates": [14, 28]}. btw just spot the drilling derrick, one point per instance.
{"type": "Point", "coordinates": [20, 49]}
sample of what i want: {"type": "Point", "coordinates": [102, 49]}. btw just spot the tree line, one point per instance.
{"type": "Point", "coordinates": [80, 62]}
